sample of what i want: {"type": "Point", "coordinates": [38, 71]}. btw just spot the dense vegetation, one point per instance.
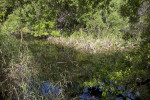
{"type": "Point", "coordinates": [102, 43]}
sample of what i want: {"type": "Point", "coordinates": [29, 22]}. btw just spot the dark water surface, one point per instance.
{"type": "Point", "coordinates": [65, 65]}
{"type": "Point", "coordinates": [89, 93]}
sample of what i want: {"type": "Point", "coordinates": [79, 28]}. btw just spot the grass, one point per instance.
{"type": "Point", "coordinates": [87, 43]}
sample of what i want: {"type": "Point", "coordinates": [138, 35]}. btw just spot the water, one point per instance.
{"type": "Point", "coordinates": [65, 64]}
{"type": "Point", "coordinates": [48, 89]}
{"type": "Point", "coordinates": [93, 93]}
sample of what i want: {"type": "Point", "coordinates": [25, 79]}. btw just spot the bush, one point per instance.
{"type": "Point", "coordinates": [9, 55]}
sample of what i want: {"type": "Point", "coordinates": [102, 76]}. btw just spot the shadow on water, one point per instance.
{"type": "Point", "coordinates": [88, 93]}
{"type": "Point", "coordinates": [69, 70]}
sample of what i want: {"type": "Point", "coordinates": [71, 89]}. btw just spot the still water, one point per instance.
{"type": "Point", "coordinates": [88, 93]}
{"type": "Point", "coordinates": [58, 63]}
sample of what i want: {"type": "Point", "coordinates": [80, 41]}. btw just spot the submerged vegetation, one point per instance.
{"type": "Point", "coordinates": [99, 45]}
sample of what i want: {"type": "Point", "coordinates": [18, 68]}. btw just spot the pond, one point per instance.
{"type": "Point", "coordinates": [88, 93]}
{"type": "Point", "coordinates": [63, 72]}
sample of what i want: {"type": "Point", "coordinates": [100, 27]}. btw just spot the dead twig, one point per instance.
{"type": "Point", "coordinates": [16, 93]}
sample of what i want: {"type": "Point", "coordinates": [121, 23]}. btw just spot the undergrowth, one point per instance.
{"type": "Point", "coordinates": [60, 60]}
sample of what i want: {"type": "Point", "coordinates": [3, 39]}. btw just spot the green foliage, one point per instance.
{"type": "Point", "coordinates": [55, 33]}
{"type": "Point", "coordinates": [9, 56]}
{"type": "Point", "coordinates": [12, 25]}
{"type": "Point", "coordinates": [2, 10]}
{"type": "Point", "coordinates": [9, 49]}
{"type": "Point", "coordinates": [105, 16]}
{"type": "Point", "coordinates": [94, 15]}
{"type": "Point", "coordinates": [130, 10]}
{"type": "Point", "coordinates": [43, 28]}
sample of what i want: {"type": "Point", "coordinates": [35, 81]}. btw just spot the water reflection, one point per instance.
{"type": "Point", "coordinates": [89, 93]}
{"type": "Point", "coordinates": [93, 93]}
{"type": "Point", "coordinates": [49, 90]}
{"type": "Point", "coordinates": [68, 65]}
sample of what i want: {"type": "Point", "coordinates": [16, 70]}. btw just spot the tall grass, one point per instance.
{"type": "Point", "coordinates": [14, 61]}
{"type": "Point", "coordinates": [89, 43]}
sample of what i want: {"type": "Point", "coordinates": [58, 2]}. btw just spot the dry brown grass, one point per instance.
{"type": "Point", "coordinates": [92, 45]}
